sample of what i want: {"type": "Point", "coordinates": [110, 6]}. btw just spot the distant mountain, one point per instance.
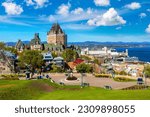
{"type": "Point", "coordinates": [97, 43]}
{"type": "Point", "coordinates": [94, 44]}
{"type": "Point", "coordinates": [14, 43]}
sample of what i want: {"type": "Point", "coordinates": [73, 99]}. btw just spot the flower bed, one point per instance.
{"type": "Point", "coordinates": [72, 78]}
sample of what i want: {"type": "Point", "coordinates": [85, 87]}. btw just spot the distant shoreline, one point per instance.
{"type": "Point", "coordinates": [99, 44]}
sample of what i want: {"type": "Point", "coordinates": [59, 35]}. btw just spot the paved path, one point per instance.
{"type": "Point", "coordinates": [97, 82]}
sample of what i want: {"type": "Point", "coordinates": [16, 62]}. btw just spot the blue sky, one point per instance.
{"type": "Point", "coordinates": [82, 20]}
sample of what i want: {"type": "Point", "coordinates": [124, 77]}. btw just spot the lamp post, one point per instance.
{"type": "Point", "coordinates": [113, 74]}
{"type": "Point", "coordinates": [144, 78]}
{"type": "Point", "coordinates": [82, 83]}
{"type": "Point", "coordinates": [82, 80]}
{"type": "Point", "coordinates": [27, 72]}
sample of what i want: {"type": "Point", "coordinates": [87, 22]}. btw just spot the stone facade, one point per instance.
{"type": "Point", "coordinates": [57, 36]}
{"type": "Point", "coordinates": [20, 46]}
{"type": "Point", "coordinates": [56, 41]}
{"type": "Point", "coordinates": [35, 43]}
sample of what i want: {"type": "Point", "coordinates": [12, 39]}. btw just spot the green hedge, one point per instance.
{"type": "Point", "coordinates": [103, 75]}
{"type": "Point", "coordinates": [11, 76]}
{"type": "Point", "coordinates": [123, 79]}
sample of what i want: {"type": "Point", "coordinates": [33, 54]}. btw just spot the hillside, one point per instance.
{"type": "Point", "coordinates": [45, 90]}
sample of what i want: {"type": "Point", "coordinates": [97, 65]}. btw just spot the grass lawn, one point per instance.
{"type": "Point", "coordinates": [44, 90]}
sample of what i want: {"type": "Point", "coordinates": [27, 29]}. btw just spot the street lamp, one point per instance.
{"type": "Point", "coordinates": [113, 74]}
{"type": "Point", "coordinates": [27, 71]}
{"type": "Point", "coordinates": [144, 78]}
{"type": "Point", "coordinates": [82, 84]}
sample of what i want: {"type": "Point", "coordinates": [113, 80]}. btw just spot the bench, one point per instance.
{"type": "Point", "coordinates": [62, 83]}
{"type": "Point", "coordinates": [108, 87]}
{"type": "Point", "coordinates": [140, 81]}
{"type": "Point", "coordinates": [85, 84]}
{"type": "Point", "coordinates": [52, 81]}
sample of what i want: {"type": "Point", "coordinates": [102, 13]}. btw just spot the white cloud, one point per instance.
{"type": "Point", "coordinates": [77, 11]}
{"type": "Point", "coordinates": [71, 17]}
{"type": "Point", "coordinates": [9, 20]}
{"type": "Point", "coordinates": [37, 3]}
{"type": "Point", "coordinates": [41, 3]}
{"type": "Point", "coordinates": [63, 9]}
{"type": "Point", "coordinates": [102, 2]}
{"type": "Point", "coordinates": [78, 14]}
{"type": "Point", "coordinates": [148, 10]}
{"type": "Point", "coordinates": [12, 8]}
{"type": "Point", "coordinates": [77, 26]}
{"type": "Point", "coordinates": [142, 15]}
{"type": "Point", "coordinates": [148, 29]}
{"type": "Point", "coordinates": [133, 6]}
{"type": "Point", "coordinates": [114, 38]}
{"type": "Point", "coordinates": [29, 2]}
{"type": "Point", "coordinates": [118, 28]}
{"type": "Point", "coordinates": [109, 18]}
{"type": "Point", "coordinates": [89, 11]}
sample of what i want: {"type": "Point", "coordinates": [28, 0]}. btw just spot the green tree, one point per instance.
{"type": "Point", "coordinates": [31, 58]}
{"type": "Point", "coordinates": [11, 49]}
{"type": "Point", "coordinates": [147, 70]}
{"type": "Point", "coordinates": [84, 68]}
{"type": "Point", "coordinates": [86, 58]}
{"type": "Point", "coordinates": [96, 61]}
{"type": "Point", "coordinates": [56, 69]}
{"type": "Point", "coordinates": [2, 45]}
{"type": "Point", "coordinates": [69, 55]}
{"type": "Point", "coordinates": [54, 54]}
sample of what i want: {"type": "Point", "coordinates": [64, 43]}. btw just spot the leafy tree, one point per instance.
{"type": "Point", "coordinates": [11, 49]}
{"type": "Point", "coordinates": [54, 54]}
{"type": "Point", "coordinates": [96, 61]}
{"type": "Point", "coordinates": [69, 55]}
{"type": "Point", "coordinates": [56, 68]}
{"type": "Point", "coordinates": [2, 45]}
{"type": "Point", "coordinates": [147, 70]}
{"type": "Point", "coordinates": [86, 58]}
{"type": "Point", "coordinates": [123, 73]}
{"type": "Point", "coordinates": [31, 58]}
{"type": "Point", "coordinates": [84, 68]}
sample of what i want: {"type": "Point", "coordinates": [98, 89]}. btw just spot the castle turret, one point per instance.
{"type": "Point", "coordinates": [56, 35]}
{"type": "Point", "coordinates": [35, 43]}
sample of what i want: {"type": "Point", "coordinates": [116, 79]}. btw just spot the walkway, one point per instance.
{"type": "Point", "coordinates": [97, 82]}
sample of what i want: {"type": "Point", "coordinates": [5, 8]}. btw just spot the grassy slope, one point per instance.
{"type": "Point", "coordinates": [38, 90]}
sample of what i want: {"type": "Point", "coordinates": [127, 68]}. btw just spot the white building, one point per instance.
{"type": "Point", "coordinates": [103, 52]}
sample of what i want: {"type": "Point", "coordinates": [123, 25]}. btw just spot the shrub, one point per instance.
{"type": "Point", "coordinates": [123, 73]}
{"type": "Point", "coordinates": [10, 77]}
{"type": "Point", "coordinates": [56, 69]}
{"type": "Point", "coordinates": [84, 68]}
{"type": "Point", "coordinates": [147, 70]}
{"type": "Point", "coordinates": [136, 87]}
{"type": "Point", "coordinates": [123, 79]}
{"type": "Point", "coordinates": [21, 75]}
{"type": "Point", "coordinates": [103, 75]}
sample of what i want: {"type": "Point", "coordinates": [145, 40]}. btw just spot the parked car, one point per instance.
{"type": "Point", "coordinates": [140, 81]}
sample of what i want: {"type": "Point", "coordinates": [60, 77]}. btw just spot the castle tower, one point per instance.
{"type": "Point", "coordinates": [35, 43]}
{"type": "Point", "coordinates": [56, 35]}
